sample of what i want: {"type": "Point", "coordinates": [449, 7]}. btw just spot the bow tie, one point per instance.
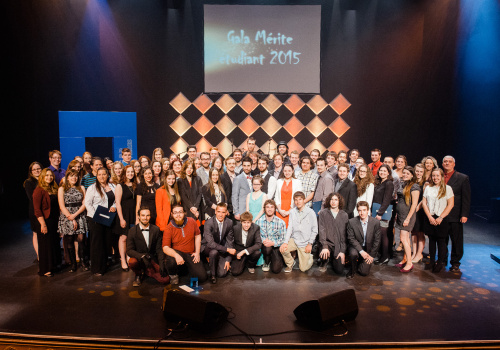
{"type": "Point", "coordinates": [249, 177]}
{"type": "Point", "coordinates": [145, 230]}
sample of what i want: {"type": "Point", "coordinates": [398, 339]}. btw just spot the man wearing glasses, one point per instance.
{"type": "Point", "coordinates": [55, 165]}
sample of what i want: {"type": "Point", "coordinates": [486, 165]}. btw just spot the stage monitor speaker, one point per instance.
{"type": "Point", "coordinates": [197, 313]}
{"type": "Point", "coordinates": [328, 310]}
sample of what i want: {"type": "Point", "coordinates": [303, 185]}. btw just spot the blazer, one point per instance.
{"type": "Point", "coordinates": [203, 175]}
{"type": "Point", "coordinates": [460, 185]}
{"type": "Point", "coordinates": [41, 203]}
{"type": "Point", "coordinates": [212, 239]}
{"type": "Point", "coordinates": [349, 191]}
{"type": "Point", "coordinates": [210, 199]}
{"type": "Point", "coordinates": [191, 195]}
{"type": "Point", "coordinates": [136, 244]}
{"type": "Point", "coordinates": [355, 235]}
{"type": "Point", "coordinates": [163, 208]}
{"type": "Point", "coordinates": [333, 231]}
{"type": "Point", "coordinates": [253, 241]}
{"type": "Point", "coordinates": [93, 199]}
{"type": "Point", "coordinates": [296, 186]}
{"type": "Point", "coordinates": [227, 184]}
{"type": "Point", "coordinates": [239, 193]}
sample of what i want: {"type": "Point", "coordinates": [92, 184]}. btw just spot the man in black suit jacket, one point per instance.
{"type": "Point", "coordinates": [227, 182]}
{"type": "Point", "coordinates": [458, 216]}
{"type": "Point", "coordinates": [145, 249]}
{"type": "Point", "coordinates": [247, 242]}
{"type": "Point", "coordinates": [347, 189]}
{"type": "Point", "coordinates": [363, 236]}
{"type": "Point", "coordinates": [218, 242]}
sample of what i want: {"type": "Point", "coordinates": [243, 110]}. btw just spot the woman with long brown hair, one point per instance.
{"type": "Point", "coordinates": [116, 172]}
{"type": "Point", "coordinates": [400, 163]}
{"type": "Point", "coordinates": [29, 185]}
{"type": "Point", "coordinates": [406, 214]}
{"type": "Point", "coordinates": [430, 163]}
{"type": "Point", "coordinates": [166, 197]}
{"type": "Point", "coordinates": [190, 190]}
{"type": "Point", "coordinates": [364, 181]}
{"type": "Point", "coordinates": [382, 208]}
{"type": "Point", "coordinates": [286, 186]}
{"type": "Point", "coordinates": [46, 209]}
{"type": "Point", "coordinates": [145, 194]}
{"type": "Point", "coordinates": [213, 192]}
{"type": "Point", "coordinates": [417, 234]}
{"type": "Point", "coordinates": [87, 157]}
{"type": "Point", "coordinates": [72, 222]}
{"type": "Point", "coordinates": [158, 154]}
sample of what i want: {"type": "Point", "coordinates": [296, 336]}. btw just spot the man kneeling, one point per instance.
{"type": "Point", "coordinates": [145, 250]}
{"type": "Point", "coordinates": [300, 234]}
{"type": "Point", "coordinates": [247, 242]}
{"type": "Point", "coordinates": [181, 245]}
{"type": "Point", "coordinates": [363, 235]}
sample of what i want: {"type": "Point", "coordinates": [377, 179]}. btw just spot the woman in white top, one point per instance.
{"type": "Point", "coordinates": [364, 181]}
{"type": "Point", "coordinates": [437, 202]}
{"type": "Point", "coordinates": [102, 193]}
{"type": "Point", "coordinates": [286, 186]}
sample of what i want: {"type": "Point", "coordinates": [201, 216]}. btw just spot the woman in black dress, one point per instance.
{"type": "Point", "coordinates": [382, 197]}
{"type": "Point", "coordinates": [46, 209]}
{"type": "Point", "coordinates": [125, 208]}
{"type": "Point", "coordinates": [190, 190]}
{"type": "Point", "coordinates": [417, 234]}
{"type": "Point", "coordinates": [145, 194]}
{"type": "Point", "coordinates": [29, 186]}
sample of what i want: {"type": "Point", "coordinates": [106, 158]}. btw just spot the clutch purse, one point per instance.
{"type": "Point", "coordinates": [103, 216]}
{"type": "Point", "coordinates": [387, 214]}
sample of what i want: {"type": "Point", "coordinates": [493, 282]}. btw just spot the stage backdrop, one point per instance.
{"type": "Point", "coordinates": [417, 77]}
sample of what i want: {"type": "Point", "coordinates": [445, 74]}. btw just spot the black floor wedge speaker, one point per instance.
{"type": "Point", "coordinates": [198, 313]}
{"type": "Point", "coordinates": [328, 310]}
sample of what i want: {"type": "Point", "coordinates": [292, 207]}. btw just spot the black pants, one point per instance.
{"type": "Point", "coordinates": [194, 269]}
{"type": "Point", "coordinates": [438, 236]}
{"type": "Point", "coordinates": [216, 261]}
{"type": "Point", "coordinates": [273, 256]}
{"type": "Point", "coordinates": [337, 265]}
{"type": "Point", "coordinates": [100, 236]}
{"type": "Point", "coordinates": [456, 234]}
{"type": "Point", "coordinates": [238, 265]}
{"type": "Point", "coordinates": [358, 264]}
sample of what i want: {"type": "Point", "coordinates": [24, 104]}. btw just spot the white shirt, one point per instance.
{"type": "Point", "coordinates": [437, 206]}
{"type": "Point", "coordinates": [145, 233]}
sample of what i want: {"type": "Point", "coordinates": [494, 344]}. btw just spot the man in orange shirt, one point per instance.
{"type": "Point", "coordinates": [376, 155]}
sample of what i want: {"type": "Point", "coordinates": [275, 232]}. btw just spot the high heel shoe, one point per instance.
{"type": "Point", "coordinates": [417, 261]}
{"type": "Point", "coordinates": [406, 271]}
{"type": "Point", "coordinates": [382, 262]}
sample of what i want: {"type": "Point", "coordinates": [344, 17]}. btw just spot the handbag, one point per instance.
{"type": "Point", "coordinates": [387, 214]}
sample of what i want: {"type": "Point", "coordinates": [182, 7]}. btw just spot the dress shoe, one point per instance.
{"type": "Point", "coordinates": [350, 275]}
{"type": "Point", "coordinates": [98, 274]}
{"type": "Point", "coordinates": [265, 267]}
{"type": "Point", "coordinates": [382, 262]}
{"type": "Point", "coordinates": [437, 267]}
{"type": "Point", "coordinates": [406, 271]}
{"type": "Point", "coordinates": [251, 270]}
{"type": "Point", "coordinates": [137, 281]}
{"type": "Point", "coordinates": [454, 268]}
{"type": "Point", "coordinates": [174, 279]}
{"type": "Point", "coordinates": [213, 279]}
{"type": "Point", "coordinates": [322, 268]}
{"type": "Point", "coordinates": [73, 268]}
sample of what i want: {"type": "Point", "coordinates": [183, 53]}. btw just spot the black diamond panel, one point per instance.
{"type": "Point", "coordinates": [214, 114]}
{"type": "Point", "coordinates": [237, 137]}
{"type": "Point", "coordinates": [282, 135]}
{"type": "Point", "coordinates": [282, 115]}
{"type": "Point", "coordinates": [214, 136]}
{"type": "Point", "coordinates": [192, 114]}
{"type": "Point", "coordinates": [260, 114]}
{"type": "Point", "coordinates": [304, 137]}
{"type": "Point", "coordinates": [304, 153]}
{"type": "Point", "coordinates": [327, 115]}
{"type": "Point", "coordinates": [327, 137]}
{"type": "Point", "coordinates": [305, 115]}
{"type": "Point", "coordinates": [282, 97]}
{"type": "Point", "coordinates": [260, 97]}
{"type": "Point", "coordinates": [261, 137]}
{"type": "Point", "coordinates": [191, 136]}
{"type": "Point", "coordinates": [237, 114]}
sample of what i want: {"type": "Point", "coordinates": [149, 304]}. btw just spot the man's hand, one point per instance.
{"type": "Point", "coordinates": [268, 243]}
{"type": "Point", "coordinates": [179, 260]}
{"type": "Point", "coordinates": [378, 217]}
{"type": "Point", "coordinates": [196, 257]}
{"type": "Point", "coordinates": [325, 254]}
{"type": "Point", "coordinates": [240, 254]}
{"type": "Point", "coordinates": [463, 219]}
{"type": "Point", "coordinates": [227, 265]}
{"type": "Point", "coordinates": [367, 257]}
{"type": "Point", "coordinates": [342, 257]}
{"type": "Point", "coordinates": [231, 251]}
{"type": "Point", "coordinates": [308, 248]}
{"type": "Point", "coordinates": [284, 247]}
{"type": "Point", "coordinates": [146, 259]}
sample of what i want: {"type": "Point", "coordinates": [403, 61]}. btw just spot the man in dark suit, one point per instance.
{"type": "Point", "coordinates": [347, 189]}
{"type": "Point", "coordinates": [247, 242]}
{"type": "Point", "coordinates": [218, 242]}
{"type": "Point", "coordinates": [459, 215]}
{"type": "Point", "coordinates": [227, 179]}
{"type": "Point", "coordinates": [145, 249]}
{"type": "Point", "coordinates": [242, 186]}
{"type": "Point", "coordinates": [363, 236]}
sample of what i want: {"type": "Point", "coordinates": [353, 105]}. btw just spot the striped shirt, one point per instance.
{"type": "Point", "coordinates": [274, 230]}
{"type": "Point", "coordinates": [88, 180]}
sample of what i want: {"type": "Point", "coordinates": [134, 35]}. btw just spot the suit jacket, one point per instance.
{"type": "Point", "coordinates": [355, 235]}
{"type": "Point", "coordinates": [41, 203]}
{"type": "Point", "coordinates": [203, 175]}
{"type": "Point", "coordinates": [239, 194]}
{"type": "Point", "coordinates": [212, 239]}
{"type": "Point", "coordinates": [228, 188]}
{"type": "Point", "coordinates": [191, 195]}
{"type": "Point", "coordinates": [460, 185]}
{"type": "Point", "coordinates": [332, 231]}
{"type": "Point", "coordinates": [210, 199]}
{"type": "Point", "coordinates": [349, 191]}
{"type": "Point", "coordinates": [253, 241]}
{"type": "Point", "coordinates": [136, 244]}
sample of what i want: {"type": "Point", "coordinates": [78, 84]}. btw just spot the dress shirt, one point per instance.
{"type": "Point", "coordinates": [447, 176]}
{"type": "Point", "coordinates": [231, 177]}
{"type": "Point", "coordinates": [249, 180]}
{"type": "Point", "coordinates": [58, 173]}
{"type": "Point", "coordinates": [238, 168]}
{"type": "Point", "coordinates": [309, 181]}
{"type": "Point", "coordinates": [302, 226]}
{"type": "Point", "coordinates": [276, 172]}
{"type": "Point", "coordinates": [145, 233]}
{"type": "Point", "coordinates": [244, 235]}
{"type": "Point", "coordinates": [220, 224]}
{"type": "Point", "coordinates": [274, 230]}
{"type": "Point", "coordinates": [324, 187]}
{"type": "Point", "coordinates": [364, 226]}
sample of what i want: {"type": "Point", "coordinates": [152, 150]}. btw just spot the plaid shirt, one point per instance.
{"type": "Point", "coordinates": [274, 230]}
{"type": "Point", "coordinates": [309, 181]}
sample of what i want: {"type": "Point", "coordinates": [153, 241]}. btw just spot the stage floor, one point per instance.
{"type": "Point", "coordinates": [393, 307]}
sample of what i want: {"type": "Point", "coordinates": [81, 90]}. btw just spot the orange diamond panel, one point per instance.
{"type": "Point", "coordinates": [294, 103]}
{"type": "Point", "coordinates": [316, 126]}
{"type": "Point", "coordinates": [203, 145]}
{"type": "Point", "coordinates": [339, 126]}
{"type": "Point", "coordinates": [316, 145]}
{"type": "Point", "coordinates": [295, 145]}
{"type": "Point", "coordinates": [293, 126]}
{"type": "Point", "coordinates": [225, 125]}
{"type": "Point", "coordinates": [203, 103]}
{"type": "Point", "coordinates": [249, 126]}
{"type": "Point", "coordinates": [338, 146]}
{"type": "Point", "coordinates": [340, 104]}
{"type": "Point", "coordinates": [203, 125]}
{"type": "Point", "coordinates": [248, 103]}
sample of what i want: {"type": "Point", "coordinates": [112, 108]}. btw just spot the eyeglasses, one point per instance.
{"type": "Point", "coordinates": [177, 212]}
{"type": "Point", "coordinates": [36, 169]}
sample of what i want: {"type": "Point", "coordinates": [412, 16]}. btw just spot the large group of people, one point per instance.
{"type": "Point", "coordinates": [206, 216]}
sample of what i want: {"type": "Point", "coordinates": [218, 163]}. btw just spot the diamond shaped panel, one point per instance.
{"type": "Point", "coordinates": [214, 114]}
{"type": "Point", "coordinates": [317, 104]}
{"type": "Point", "coordinates": [282, 115]}
{"type": "Point", "coordinates": [293, 126]}
{"type": "Point", "coordinates": [237, 137]}
{"type": "Point", "coordinates": [339, 126]}
{"type": "Point", "coordinates": [180, 125]}
{"type": "Point", "coordinates": [315, 145]}
{"type": "Point", "coordinates": [294, 104]}
{"type": "Point", "coordinates": [225, 148]}
{"type": "Point", "coordinates": [271, 126]}
{"type": "Point", "coordinates": [248, 103]}
{"type": "Point", "coordinates": [269, 149]}
{"type": "Point", "coordinates": [338, 146]}
{"type": "Point", "coordinates": [327, 137]}
{"type": "Point", "coordinates": [226, 103]}
{"type": "Point", "coordinates": [192, 114]}
{"type": "Point", "coordinates": [191, 136]}
{"type": "Point", "coordinates": [225, 125]}
{"type": "Point", "coordinates": [271, 103]}
{"type": "Point", "coordinates": [260, 137]}
{"type": "Point", "coordinates": [203, 125]}
{"type": "Point", "coordinates": [340, 104]}
{"type": "Point", "coordinates": [203, 103]}
{"type": "Point", "coordinates": [203, 145]}
{"type": "Point", "coordinates": [316, 126]}
{"type": "Point", "coordinates": [180, 103]}
{"type": "Point", "coordinates": [237, 114]}
{"type": "Point", "coordinates": [327, 115]}
{"type": "Point", "coordinates": [282, 135]}
{"type": "Point", "coordinates": [179, 146]}
{"type": "Point", "coordinates": [248, 126]}
{"type": "Point", "coordinates": [293, 144]}
{"type": "Point", "coordinates": [305, 137]}
{"type": "Point", "coordinates": [214, 136]}
{"type": "Point", "coordinates": [260, 114]}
